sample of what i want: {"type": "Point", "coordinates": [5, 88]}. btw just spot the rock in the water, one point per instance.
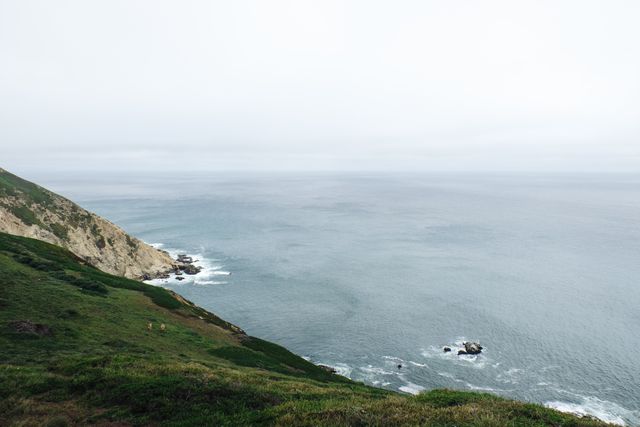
{"type": "Point", "coordinates": [446, 349]}
{"type": "Point", "coordinates": [190, 269]}
{"type": "Point", "coordinates": [470, 348]}
{"type": "Point", "coordinates": [179, 278]}
{"type": "Point", "coordinates": [146, 276]}
{"type": "Point", "coordinates": [183, 258]}
{"type": "Point", "coordinates": [28, 327]}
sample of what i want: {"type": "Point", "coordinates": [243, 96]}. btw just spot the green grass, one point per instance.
{"type": "Point", "coordinates": [101, 365]}
{"type": "Point", "coordinates": [11, 185]}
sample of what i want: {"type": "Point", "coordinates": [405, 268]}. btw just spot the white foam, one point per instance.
{"type": "Point", "coordinates": [411, 388]}
{"type": "Point", "coordinates": [448, 375]}
{"type": "Point", "coordinates": [369, 369]}
{"type": "Point", "coordinates": [393, 358]}
{"type": "Point", "coordinates": [592, 406]}
{"type": "Point", "coordinates": [511, 376]}
{"type": "Point", "coordinates": [479, 388]}
{"type": "Point", "coordinates": [478, 361]}
{"type": "Point", "coordinates": [466, 384]}
{"type": "Point", "coordinates": [342, 369]}
{"type": "Point", "coordinates": [197, 281]}
{"type": "Point", "coordinates": [210, 272]}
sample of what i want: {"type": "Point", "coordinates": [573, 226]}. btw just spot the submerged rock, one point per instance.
{"type": "Point", "coordinates": [446, 349]}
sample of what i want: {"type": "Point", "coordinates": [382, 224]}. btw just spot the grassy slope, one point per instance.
{"type": "Point", "coordinates": [102, 366]}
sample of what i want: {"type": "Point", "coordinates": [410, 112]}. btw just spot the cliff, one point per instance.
{"type": "Point", "coordinates": [29, 210]}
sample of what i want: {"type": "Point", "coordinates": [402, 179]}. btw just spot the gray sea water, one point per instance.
{"type": "Point", "coordinates": [365, 272]}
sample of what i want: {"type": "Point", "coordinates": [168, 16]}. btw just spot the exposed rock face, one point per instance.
{"type": "Point", "coordinates": [328, 369]}
{"type": "Point", "coordinates": [190, 269]}
{"type": "Point", "coordinates": [29, 210]}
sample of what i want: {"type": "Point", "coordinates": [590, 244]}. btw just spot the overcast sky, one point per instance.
{"type": "Point", "coordinates": [320, 85]}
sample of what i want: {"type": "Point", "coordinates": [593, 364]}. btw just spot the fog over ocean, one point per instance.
{"type": "Point", "coordinates": [364, 272]}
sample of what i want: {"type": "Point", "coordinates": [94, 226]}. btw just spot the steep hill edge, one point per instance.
{"type": "Point", "coordinates": [28, 210]}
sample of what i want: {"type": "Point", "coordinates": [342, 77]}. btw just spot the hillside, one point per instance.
{"type": "Point", "coordinates": [75, 349]}
{"type": "Point", "coordinates": [29, 210]}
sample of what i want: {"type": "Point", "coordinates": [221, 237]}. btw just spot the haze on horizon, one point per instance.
{"type": "Point", "coordinates": [532, 85]}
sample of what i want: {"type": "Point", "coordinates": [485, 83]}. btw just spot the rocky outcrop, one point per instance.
{"type": "Point", "coordinates": [29, 210]}
{"type": "Point", "coordinates": [470, 348]}
{"type": "Point", "coordinates": [328, 369]}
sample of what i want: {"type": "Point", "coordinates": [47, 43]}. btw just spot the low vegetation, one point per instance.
{"type": "Point", "coordinates": [76, 349]}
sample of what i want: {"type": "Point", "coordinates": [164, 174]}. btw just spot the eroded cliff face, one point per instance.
{"type": "Point", "coordinates": [29, 210]}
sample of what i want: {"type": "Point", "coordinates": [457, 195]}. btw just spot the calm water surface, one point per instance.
{"type": "Point", "coordinates": [365, 272]}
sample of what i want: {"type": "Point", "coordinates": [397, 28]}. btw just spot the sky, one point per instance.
{"type": "Point", "coordinates": [403, 85]}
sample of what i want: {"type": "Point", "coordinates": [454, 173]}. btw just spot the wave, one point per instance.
{"type": "Point", "coordinates": [420, 365]}
{"type": "Point", "coordinates": [343, 369]}
{"type": "Point", "coordinates": [411, 388]}
{"type": "Point", "coordinates": [601, 409]}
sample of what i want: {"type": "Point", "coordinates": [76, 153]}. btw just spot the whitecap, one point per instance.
{"type": "Point", "coordinates": [369, 369]}
{"type": "Point", "coordinates": [511, 376]}
{"type": "Point", "coordinates": [208, 282]}
{"type": "Point", "coordinates": [479, 388]}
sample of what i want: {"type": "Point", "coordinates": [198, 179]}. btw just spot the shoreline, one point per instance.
{"type": "Point", "coordinates": [207, 269]}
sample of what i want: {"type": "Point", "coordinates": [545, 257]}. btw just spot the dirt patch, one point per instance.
{"type": "Point", "coordinates": [28, 327]}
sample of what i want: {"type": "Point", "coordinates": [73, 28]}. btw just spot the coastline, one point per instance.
{"type": "Point", "coordinates": [210, 271]}
{"type": "Point", "coordinates": [213, 272]}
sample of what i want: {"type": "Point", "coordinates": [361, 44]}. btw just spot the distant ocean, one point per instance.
{"type": "Point", "coordinates": [368, 272]}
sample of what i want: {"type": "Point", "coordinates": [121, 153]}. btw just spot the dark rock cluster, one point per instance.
{"type": "Point", "coordinates": [470, 348]}
{"type": "Point", "coordinates": [184, 265]}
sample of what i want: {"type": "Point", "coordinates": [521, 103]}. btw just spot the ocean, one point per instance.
{"type": "Point", "coordinates": [365, 272]}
